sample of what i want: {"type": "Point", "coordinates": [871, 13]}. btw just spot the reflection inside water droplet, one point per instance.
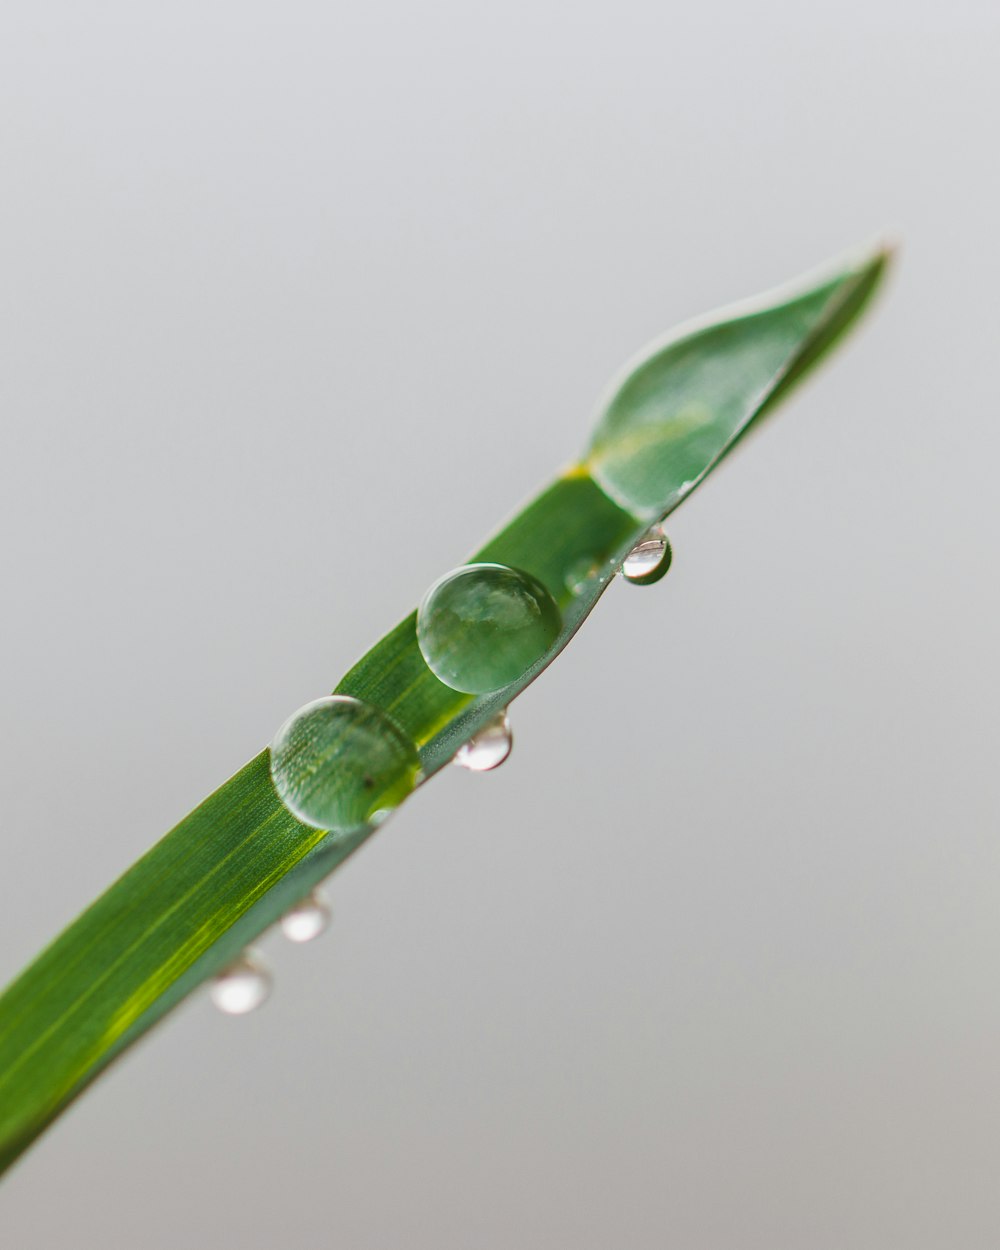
{"type": "Point", "coordinates": [649, 559]}
{"type": "Point", "coordinates": [307, 919]}
{"type": "Point", "coordinates": [340, 764]}
{"type": "Point", "coordinates": [243, 986]}
{"type": "Point", "coordinates": [488, 747]}
{"type": "Point", "coordinates": [483, 626]}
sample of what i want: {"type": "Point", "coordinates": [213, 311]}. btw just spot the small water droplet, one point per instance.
{"type": "Point", "coordinates": [580, 573]}
{"type": "Point", "coordinates": [649, 559]}
{"type": "Point", "coordinates": [488, 747]}
{"type": "Point", "coordinates": [337, 763]}
{"type": "Point", "coordinates": [243, 986]}
{"type": "Point", "coordinates": [482, 626]}
{"type": "Point", "coordinates": [307, 919]}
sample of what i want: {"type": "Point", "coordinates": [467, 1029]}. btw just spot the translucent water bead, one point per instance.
{"type": "Point", "coordinates": [307, 919]}
{"type": "Point", "coordinates": [488, 747]}
{"type": "Point", "coordinates": [340, 764]}
{"type": "Point", "coordinates": [649, 559]}
{"type": "Point", "coordinates": [241, 987]}
{"type": "Point", "coordinates": [483, 626]}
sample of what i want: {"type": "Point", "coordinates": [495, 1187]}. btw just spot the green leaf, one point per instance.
{"type": "Point", "coordinates": [675, 412]}
{"type": "Point", "coordinates": [240, 859]}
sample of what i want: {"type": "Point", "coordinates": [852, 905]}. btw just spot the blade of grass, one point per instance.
{"type": "Point", "coordinates": [240, 859]}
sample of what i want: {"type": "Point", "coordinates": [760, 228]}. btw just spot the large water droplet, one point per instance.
{"type": "Point", "coordinates": [307, 919]}
{"type": "Point", "coordinates": [488, 747]}
{"type": "Point", "coordinates": [241, 987]}
{"type": "Point", "coordinates": [340, 764]}
{"type": "Point", "coordinates": [483, 626]}
{"type": "Point", "coordinates": [649, 559]}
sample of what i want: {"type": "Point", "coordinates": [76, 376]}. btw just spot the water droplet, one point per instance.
{"type": "Point", "coordinates": [241, 987]}
{"type": "Point", "coordinates": [307, 919]}
{"type": "Point", "coordinates": [488, 747]}
{"type": "Point", "coordinates": [337, 762]}
{"type": "Point", "coordinates": [483, 626]}
{"type": "Point", "coordinates": [580, 573]}
{"type": "Point", "coordinates": [649, 559]}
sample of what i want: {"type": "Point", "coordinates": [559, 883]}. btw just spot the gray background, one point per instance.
{"type": "Point", "coordinates": [296, 302]}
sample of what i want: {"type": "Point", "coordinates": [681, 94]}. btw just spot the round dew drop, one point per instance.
{"type": "Point", "coordinates": [307, 919]}
{"type": "Point", "coordinates": [483, 626]}
{"type": "Point", "coordinates": [580, 574]}
{"type": "Point", "coordinates": [341, 764]}
{"type": "Point", "coordinates": [241, 987]}
{"type": "Point", "coordinates": [488, 747]}
{"type": "Point", "coordinates": [649, 559]}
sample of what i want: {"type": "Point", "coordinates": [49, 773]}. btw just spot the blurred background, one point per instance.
{"type": "Point", "coordinates": [297, 302]}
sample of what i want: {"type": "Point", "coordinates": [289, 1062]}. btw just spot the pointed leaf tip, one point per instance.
{"type": "Point", "coordinates": [681, 405]}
